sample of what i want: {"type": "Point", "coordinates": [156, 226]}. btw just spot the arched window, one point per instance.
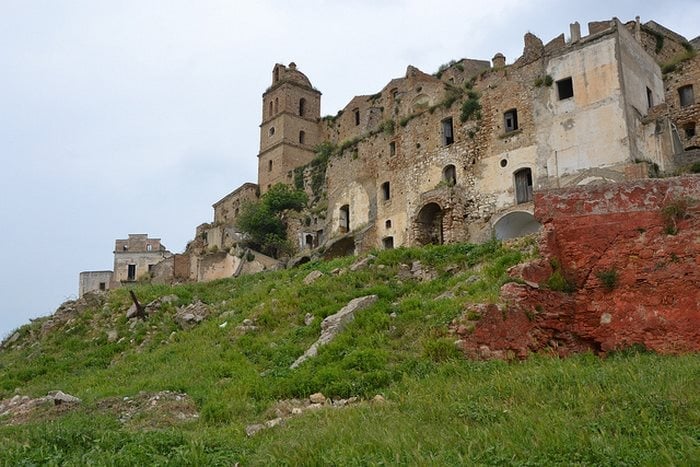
{"type": "Point", "coordinates": [449, 175]}
{"type": "Point", "coordinates": [302, 137]}
{"type": "Point", "coordinates": [270, 111]}
{"type": "Point", "coordinates": [277, 105]}
{"type": "Point", "coordinates": [302, 106]}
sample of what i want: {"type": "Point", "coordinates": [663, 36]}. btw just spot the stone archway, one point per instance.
{"type": "Point", "coordinates": [516, 224]}
{"type": "Point", "coordinates": [428, 226]}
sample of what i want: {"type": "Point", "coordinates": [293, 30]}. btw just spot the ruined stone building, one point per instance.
{"type": "Point", "coordinates": [134, 258]}
{"type": "Point", "coordinates": [456, 155]}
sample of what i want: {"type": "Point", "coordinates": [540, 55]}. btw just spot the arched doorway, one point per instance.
{"type": "Point", "coordinates": [428, 225]}
{"type": "Point", "coordinates": [516, 224]}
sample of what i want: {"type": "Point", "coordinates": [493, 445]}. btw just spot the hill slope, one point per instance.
{"type": "Point", "coordinates": [171, 390]}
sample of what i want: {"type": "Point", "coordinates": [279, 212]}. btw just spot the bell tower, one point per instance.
{"type": "Point", "coordinates": [290, 126]}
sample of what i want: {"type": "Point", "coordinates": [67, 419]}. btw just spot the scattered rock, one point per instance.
{"type": "Point", "coordinates": [112, 335]}
{"type": "Point", "coordinates": [445, 295]}
{"type": "Point", "coordinates": [308, 319]}
{"type": "Point", "coordinates": [317, 398]}
{"type": "Point", "coordinates": [60, 397]}
{"type": "Point", "coordinates": [247, 325]}
{"type": "Point", "coordinates": [312, 276]}
{"type": "Point", "coordinates": [250, 430]}
{"type": "Point", "coordinates": [191, 315]}
{"type": "Point", "coordinates": [223, 325]}
{"type": "Point", "coordinates": [362, 263]}
{"type": "Point", "coordinates": [335, 323]}
{"type": "Point", "coordinates": [379, 399]}
{"type": "Point", "coordinates": [132, 311]}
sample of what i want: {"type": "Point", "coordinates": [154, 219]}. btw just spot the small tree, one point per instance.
{"type": "Point", "coordinates": [263, 222]}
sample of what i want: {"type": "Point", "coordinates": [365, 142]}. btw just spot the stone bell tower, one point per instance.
{"type": "Point", "coordinates": [290, 126]}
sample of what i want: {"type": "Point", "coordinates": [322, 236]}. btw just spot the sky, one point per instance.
{"type": "Point", "coordinates": [135, 116]}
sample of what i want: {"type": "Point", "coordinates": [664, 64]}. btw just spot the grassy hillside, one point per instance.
{"type": "Point", "coordinates": [630, 408]}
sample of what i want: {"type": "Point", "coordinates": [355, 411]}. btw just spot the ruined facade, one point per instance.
{"type": "Point", "coordinates": [456, 156]}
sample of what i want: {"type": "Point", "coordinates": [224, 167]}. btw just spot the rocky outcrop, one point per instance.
{"type": "Point", "coordinates": [333, 324]}
{"type": "Point", "coordinates": [630, 255]}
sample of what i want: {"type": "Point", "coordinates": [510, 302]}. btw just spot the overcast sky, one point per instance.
{"type": "Point", "coordinates": [121, 117]}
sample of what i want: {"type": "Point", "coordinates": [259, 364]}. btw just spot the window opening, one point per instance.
{"type": "Point", "coordinates": [131, 272]}
{"type": "Point", "coordinates": [271, 131]}
{"type": "Point", "coordinates": [302, 137]}
{"type": "Point", "coordinates": [565, 88]}
{"type": "Point", "coordinates": [510, 120]}
{"type": "Point", "coordinates": [523, 186]}
{"type": "Point", "coordinates": [449, 175]}
{"type": "Point", "coordinates": [386, 191]}
{"type": "Point", "coordinates": [504, 162]}
{"type": "Point", "coordinates": [387, 224]}
{"type": "Point", "coordinates": [270, 111]}
{"type": "Point", "coordinates": [357, 117]}
{"type": "Point", "coordinates": [447, 134]}
{"type": "Point", "coordinates": [392, 148]}
{"type": "Point", "coordinates": [345, 218]}
{"type": "Point", "coordinates": [650, 99]}
{"type": "Point", "coordinates": [309, 240]}
{"type": "Point", "coordinates": [689, 130]}
{"type": "Point", "coordinates": [103, 286]}
{"type": "Point", "coordinates": [686, 95]}
{"type": "Point", "coordinates": [302, 106]}
{"type": "Point", "coordinates": [277, 105]}
{"type": "Point", "coordinates": [269, 166]}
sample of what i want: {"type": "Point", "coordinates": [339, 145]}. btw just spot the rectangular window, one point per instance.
{"type": "Point", "coordinates": [103, 286]}
{"type": "Point", "coordinates": [650, 99]}
{"type": "Point", "coordinates": [392, 148]}
{"type": "Point", "coordinates": [689, 130]}
{"type": "Point", "coordinates": [565, 88]}
{"type": "Point", "coordinates": [447, 134]}
{"type": "Point", "coordinates": [269, 166]}
{"type": "Point", "coordinates": [386, 191]}
{"type": "Point", "coordinates": [686, 95]}
{"type": "Point", "coordinates": [510, 120]}
{"type": "Point", "coordinates": [131, 272]}
{"type": "Point", "coordinates": [357, 116]}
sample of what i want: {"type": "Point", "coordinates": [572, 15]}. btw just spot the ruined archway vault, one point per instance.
{"type": "Point", "coordinates": [515, 224]}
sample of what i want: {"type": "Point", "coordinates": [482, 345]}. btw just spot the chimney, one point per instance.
{"type": "Point", "coordinates": [499, 60]}
{"type": "Point", "coordinates": [575, 29]}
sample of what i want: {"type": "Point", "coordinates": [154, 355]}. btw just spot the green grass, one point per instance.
{"type": "Point", "coordinates": [633, 408]}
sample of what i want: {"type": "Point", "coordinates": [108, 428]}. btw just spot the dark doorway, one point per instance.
{"type": "Point", "coordinates": [523, 185]}
{"type": "Point", "coordinates": [131, 272]}
{"type": "Point", "coordinates": [429, 225]}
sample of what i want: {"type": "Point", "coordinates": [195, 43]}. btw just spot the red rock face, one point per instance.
{"type": "Point", "coordinates": [630, 251]}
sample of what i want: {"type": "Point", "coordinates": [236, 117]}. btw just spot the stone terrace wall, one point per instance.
{"type": "Point", "coordinates": [655, 300]}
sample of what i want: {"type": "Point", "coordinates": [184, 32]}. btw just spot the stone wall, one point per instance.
{"type": "Point", "coordinates": [91, 281]}
{"type": "Point", "coordinates": [633, 267]}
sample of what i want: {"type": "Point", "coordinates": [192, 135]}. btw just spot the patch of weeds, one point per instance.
{"type": "Point", "coordinates": [471, 107]}
{"type": "Point", "coordinates": [544, 81]}
{"type": "Point", "coordinates": [673, 212]}
{"type": "Point", "coordinates": [609, 278]}
{"type": "Point", "coordinates": [557, 281]}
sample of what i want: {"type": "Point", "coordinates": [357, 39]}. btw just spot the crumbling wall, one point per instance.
{"type": "Point", "coordinates": [631, 256]}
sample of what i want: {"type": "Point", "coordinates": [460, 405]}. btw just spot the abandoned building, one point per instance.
{"type": "Point", "coordinates": [455, 156]}
{"type": "Point", "coordinates": [134, 258]}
